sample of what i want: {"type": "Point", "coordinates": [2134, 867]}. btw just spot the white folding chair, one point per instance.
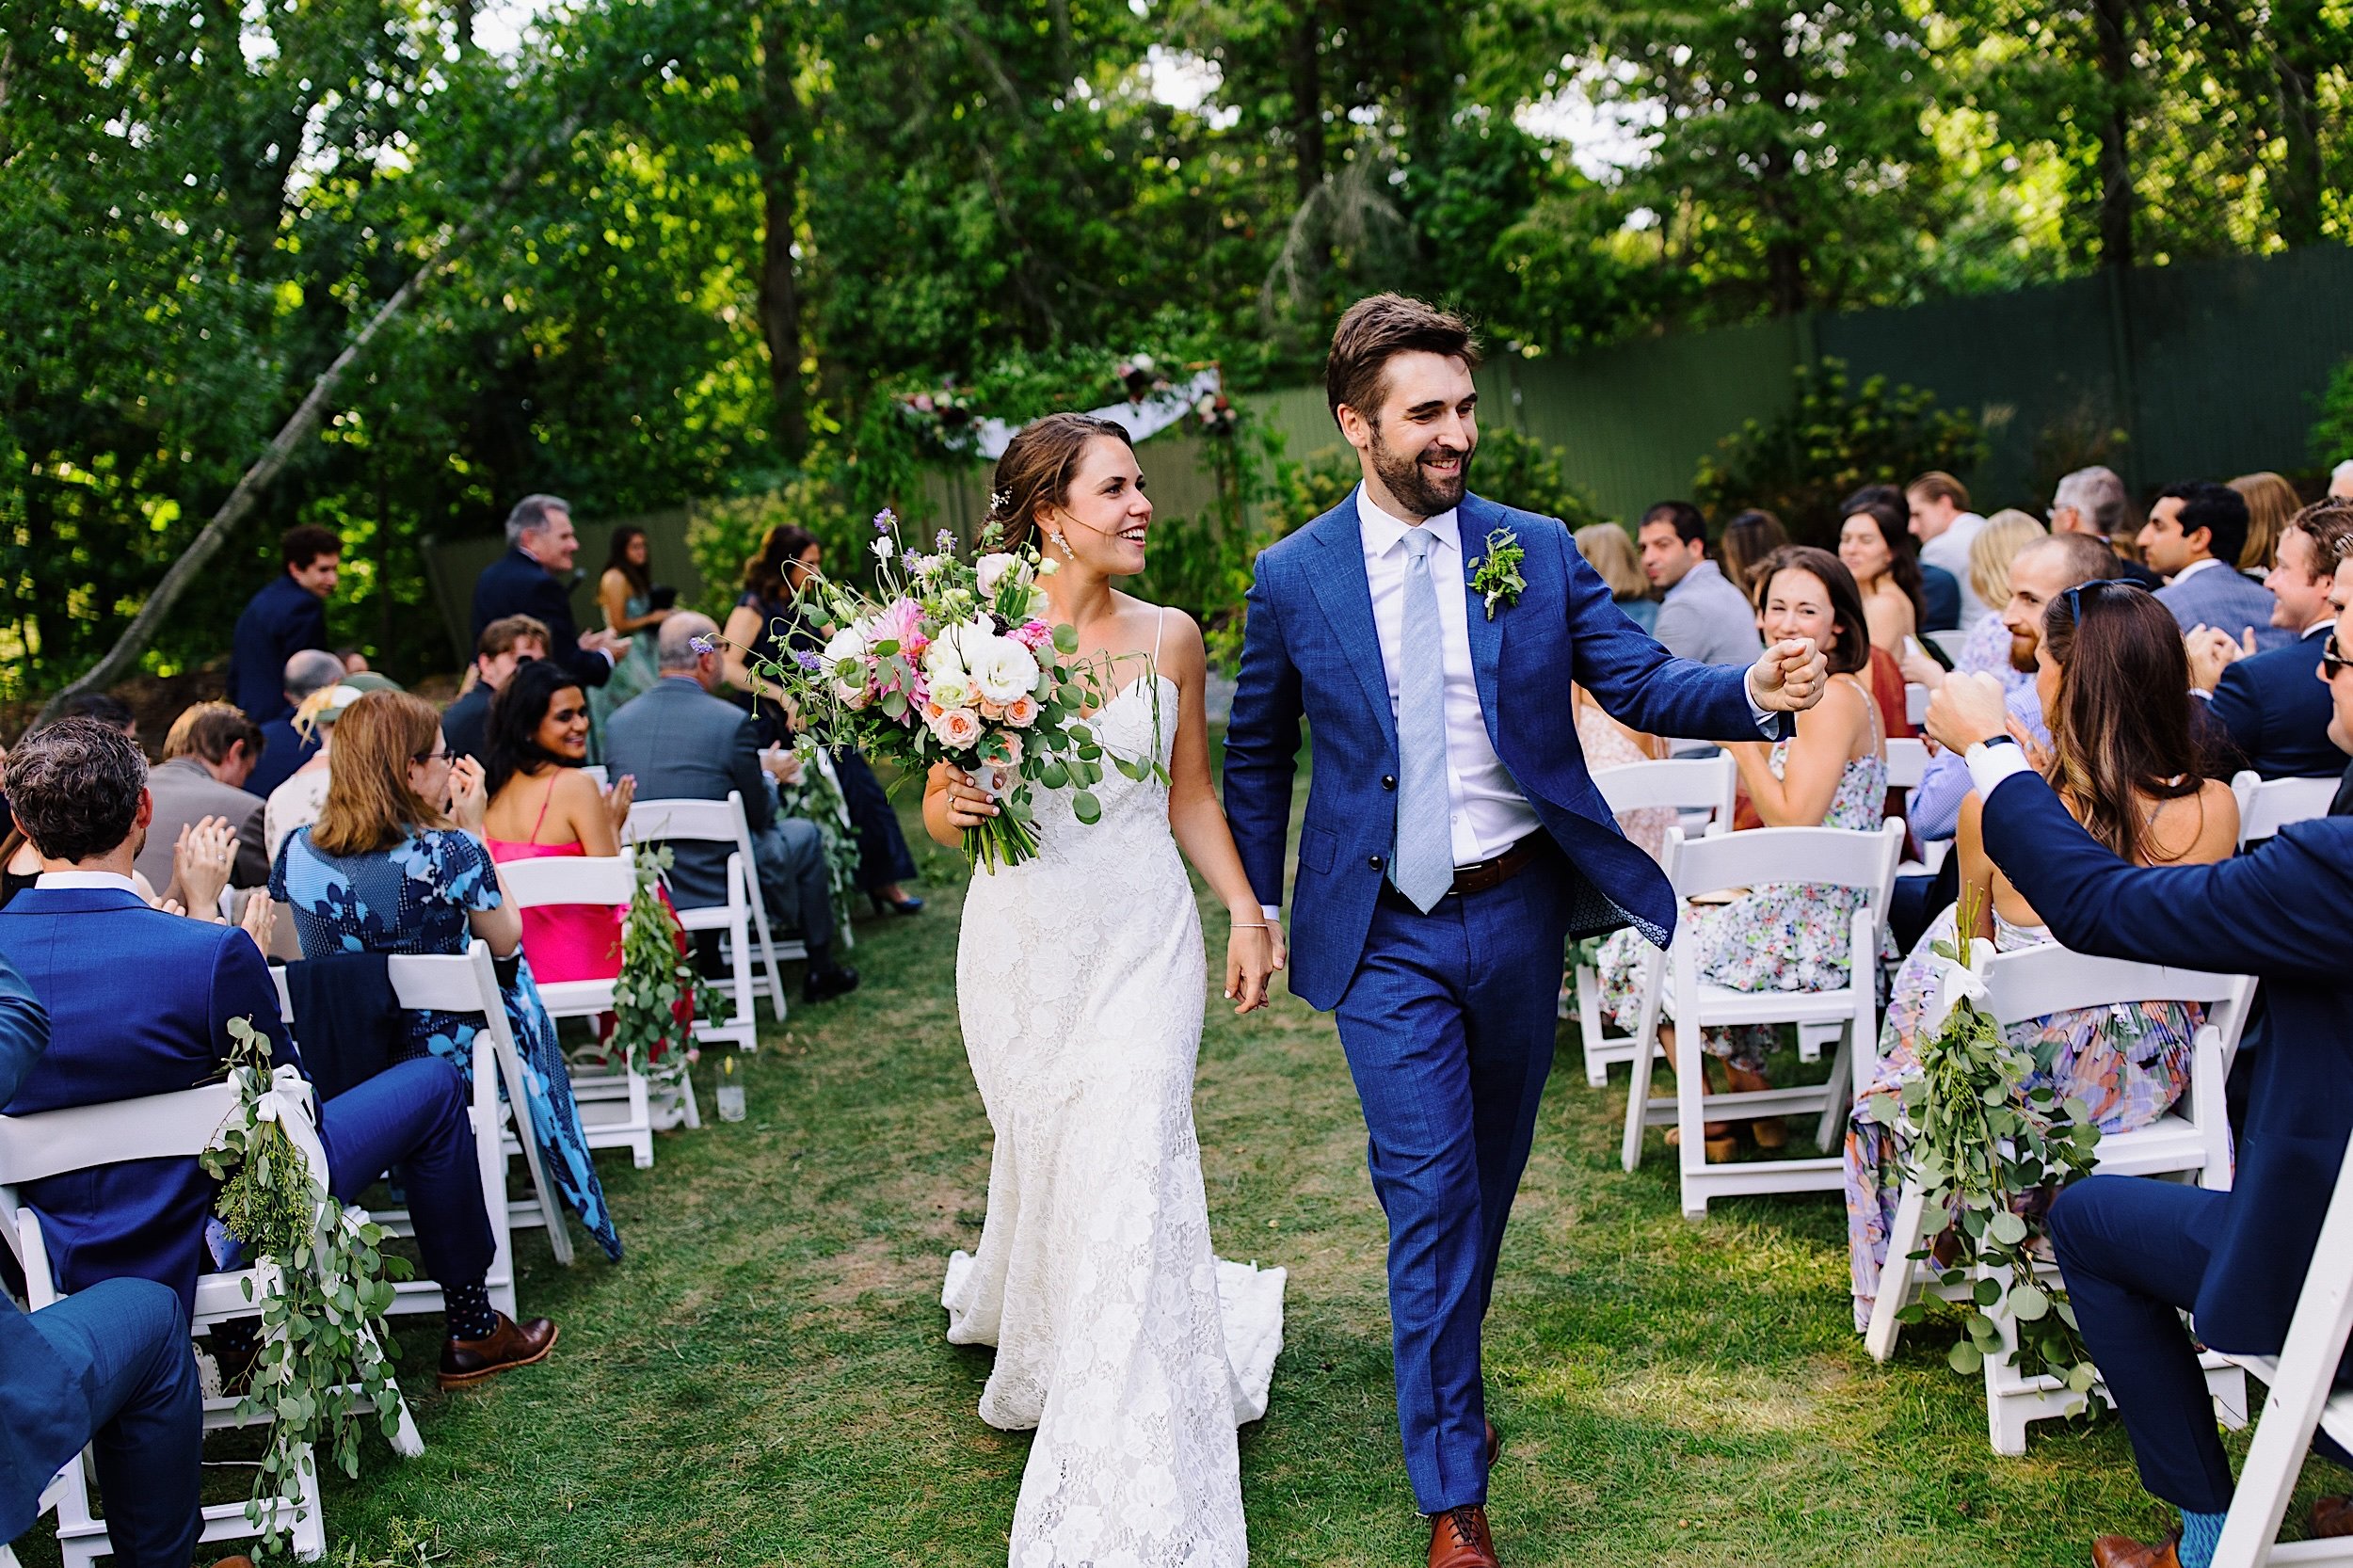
{"type": "Point", "coordinates": [2267, 805]}
{"type": "Point", "coordinates": [1705, 788]}
{"type": "Point", "coordinates": [1672, 989]}
{"type": "Point", "coordinates": [158, 1127]}
{"type": "Point", "coordinates": [467, 982]}
{"type": "Point", "coordinates": [1951, 642]}
{"type": "Point", "coordinates": [2302, 1399]}
{"type": "Point", "coordinates": [2191, 1139]}
{"type": "Point", "coordinates": [1915, 703]}
{"type": "Point", "coordinates": [1907, 762]}
{"type": "Point", "coordinates": [743, 913]}
{"type": "Point", "coordinates": [617, 1108]}
{"type": "Point", "coordinates": [598, 772]}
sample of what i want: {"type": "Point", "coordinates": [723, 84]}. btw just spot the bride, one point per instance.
{"type": "Point", "coordinates": [1130, 1348]}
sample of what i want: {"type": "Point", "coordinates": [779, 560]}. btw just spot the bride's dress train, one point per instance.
{"type": "Point", "coordinates": [1132, 1349]}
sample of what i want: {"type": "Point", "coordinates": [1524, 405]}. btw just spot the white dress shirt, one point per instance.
{"type": "Point", "coordinates": [89, 879]}
{"type": "Point", "coordinates": [1487, 810]}
{"type": "Point", "coordinates": [1950, 550]}
{"type": "Point", "coordinates": [2193, 569]}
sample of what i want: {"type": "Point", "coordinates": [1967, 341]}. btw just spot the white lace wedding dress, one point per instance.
{"type": "Point", "coordinates": [1130, 1348]}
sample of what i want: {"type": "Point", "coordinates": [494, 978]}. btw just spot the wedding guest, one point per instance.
{"type": "Point", "coordinates": [2194, 531]}
{"type": "Point", "coordinates": [626, 593]}
{"type": "Point", "coordinates": [1940, 519]}
{"type": "Point", "coordinates": [286, 616]}
{"type": "Point", "coordinates": [2276, 715]}
{"type": "Point", "coordinates": [102, 707]}
{"type": "Point", "coordinates": [681, 743]}
{"type": "Point", "coordinates": [1608, 551]}
{"type": "Point", "coordinates": [1986, 649]}
{"type": "Point", "coordinates": [1787, 936]}
{"type": "Point", "coordinates": [542, 806]}
{"type": "Point", "coordinates": [2271, 502]}
{"type": "Point", "coordinates": [396, 863]}
{"type": "Point", "coordinates": [1876, 549]}
{"type": "Point", "coordinates": [533, 579]}
{"type": "Point", "coordinates": [208, 755]}
{"type": "Point", "coordinates": [2137, 1253]}
{"type": "Point", "coordinates": [297, 801]}
{"type": "Point", "coordinates": [2093, 501]}
{"type": "Point", "coordinates": [79, 791]}
{"type": "Point", "coordinates": [769, 622]}
{"type": "Point", "coordinates": [510, 641]}
{"type": "Point", "coordinates": [284, 747]}
{"type": "Point", "coordinates": [1749, 537]}
{"type": "Point", "coordinates": [2125, 765]}
{"type": "Point", "coordinates": [1703, 616]}
{"type": "Point", "coordinates": [2340, 481]}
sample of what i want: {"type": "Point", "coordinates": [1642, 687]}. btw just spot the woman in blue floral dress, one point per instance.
{"type": "Point", "coordinates": [2133, 784]}
{"type": "Point", "coordinates": [1784, 937]}
{"type": "Point", "coordinates": [385, 871]}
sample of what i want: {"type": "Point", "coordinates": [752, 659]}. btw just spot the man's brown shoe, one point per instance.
{"type": "Point", "coordinates": [234, 1562]}
{"type": "Point", "coordinates": [1459, 1539]}
{"type": "Point", "coordinates": [2333, 1516]}
{"type": "Point", "coordinates": [2122, 1551]}
{"type": "Point", "coordinates": [1494, 1448]}
{"type": "Point", "coordinates": [465, 1362]}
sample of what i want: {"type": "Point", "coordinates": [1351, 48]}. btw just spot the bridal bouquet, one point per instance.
{"type": "Point", "coordinates": [954, 661]}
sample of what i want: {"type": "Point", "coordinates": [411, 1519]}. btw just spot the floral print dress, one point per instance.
{"type": "Point", "coordinates": [414, 897]}
{"type": "Point", "coordinates": [1783, 936]}
{"type": "Point", "coordinates": [2128, 1063]}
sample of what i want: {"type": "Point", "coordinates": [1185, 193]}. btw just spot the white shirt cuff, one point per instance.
{"type": "Point", "coordinates": [1990, 765]}
{"type": "Point", "coordinates": [1768, 722]}
{"type": "Point", "coordinates": [1273, 913]}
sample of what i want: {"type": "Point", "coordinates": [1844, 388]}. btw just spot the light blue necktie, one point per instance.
{"type": "Point", "coordinates": [1423, 865]}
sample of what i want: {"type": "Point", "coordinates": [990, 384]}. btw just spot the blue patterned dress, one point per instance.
{"type": "Point", "coordinates": [414, 897]}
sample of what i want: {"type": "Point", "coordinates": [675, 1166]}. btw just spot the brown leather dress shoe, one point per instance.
{"type": "Point", "coordinates": [234, 1562]}
{"type": "Point", "coordinates": [465, 1362]}
{"type": "Point", "coordinates": [2333, 1516]}
{"type": "Point", "coordinates": [2122, 1551]}
{"type": "Point", "coordinates": [1495, 1447]}
{"type": "Point", "coordinates": [1459, 1539]}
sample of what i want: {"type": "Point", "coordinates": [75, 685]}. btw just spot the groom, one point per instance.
{"type": "Point", "coordinates": [1453, 839]}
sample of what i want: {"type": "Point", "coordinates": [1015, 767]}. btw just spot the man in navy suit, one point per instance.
{"type": "Point", "coordinates": [285, 617]}
{"type": "Point", "coordinates": [2276, 712]}
{"type": "Point", "coordinates": [531, 580]}
{"type": "Point", "coordinates": [79, 791]}
{"type": "Point", "coordinates": [109, 1367]}
{"type": "Point", "coordinates": [1453, 838]}
{"type": "Point", "coordinates": [2136, 1252]}
{"type": "Point", "coordinates": [2193, 535]}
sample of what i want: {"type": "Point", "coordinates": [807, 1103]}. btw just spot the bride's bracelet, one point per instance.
{"type": "Point", "coordinates": [1246, 925]}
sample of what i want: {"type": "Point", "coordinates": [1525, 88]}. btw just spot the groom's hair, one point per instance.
{"type": "Point", "coordinates": [1374, 331]}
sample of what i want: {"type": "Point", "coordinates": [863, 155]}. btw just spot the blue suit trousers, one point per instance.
{"type": "Point", "coordinates": [131, 1341]}
{"type": "Point", "coordinates": [413, 1115]}
{"type": "Point", "coordinates": [2134, 1252]}
{"type": "Point", "coordinates": [1448, 1026]}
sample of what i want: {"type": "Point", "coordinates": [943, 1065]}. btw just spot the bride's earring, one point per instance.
{"type": "Point", "coordinates": [1055, 535]}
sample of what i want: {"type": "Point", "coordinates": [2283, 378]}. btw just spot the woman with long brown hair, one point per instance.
{"type": "Point", "coordinates": [627, 594]}
{"type": "Point", "coordinates": [1875, 542]}
{"type": "Point", "coordinates": [396, 863]}
{"type": "Point", "coordinates": [2271, 504]}
{"type": "Point", "coordinates": [2124, 760]}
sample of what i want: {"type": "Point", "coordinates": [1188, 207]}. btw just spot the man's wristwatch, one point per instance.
{"type": "Point", "coordinates": [2005, 739]}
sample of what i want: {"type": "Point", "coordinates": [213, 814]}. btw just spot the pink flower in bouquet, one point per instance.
{"type": "Point", "coordinates": [1022, 711]}
{"type": "Point", "coordinates": [897, 623]}
{"type": "Point", "coordinates": [992, 712]}
{"type": "Point", "coordinates": [1035, 636]}
{"type": "Point", "coordinates": [1005, 746]}
{"type": "Point", "coordinates": [958, 728]}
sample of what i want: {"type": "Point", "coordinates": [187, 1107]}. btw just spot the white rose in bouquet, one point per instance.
{"type": "Point", "coordinates": [991, 570]}
{"type": "Point", "coordinates": [1004, 670]}
{"type": "Point", "coordinates": [848, 643]}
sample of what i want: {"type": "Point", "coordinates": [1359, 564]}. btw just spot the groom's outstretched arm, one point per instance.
{"type": "Point", "coordinates": [1643, 686]}
{"type": "Point", "coordinates": [1262, 745]}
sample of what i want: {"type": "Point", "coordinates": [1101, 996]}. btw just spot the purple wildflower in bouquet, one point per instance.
{"type": "Point", "coordinates": [954, 661]}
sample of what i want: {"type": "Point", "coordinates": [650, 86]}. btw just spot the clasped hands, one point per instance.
{"type": "Point", "coordinates": [1790, 678]}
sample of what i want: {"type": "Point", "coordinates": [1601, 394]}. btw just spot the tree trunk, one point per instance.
{"type": "Point", "coordinates": [2114, 55]}
{"type": "Point", "coordinates": [1306, 73]}
{"type": "Point", "coordinates": [1781, 82]}
{"type": "Point", "coordinates": [2292, 37]}
{"type": "Point", "coordinates": [778, 121]}
{"type": "Point", "coordinates": [123, 657]}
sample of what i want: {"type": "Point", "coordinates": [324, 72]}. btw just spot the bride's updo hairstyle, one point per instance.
{"type": "Point", "coordinates": [1035, 472]}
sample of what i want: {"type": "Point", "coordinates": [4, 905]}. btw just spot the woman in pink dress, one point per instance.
{"type": "Point", "coordinates": [543, 805]}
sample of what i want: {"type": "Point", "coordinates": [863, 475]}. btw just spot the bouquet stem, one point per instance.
{"type": "Point", "coordinates": [1003, 840]}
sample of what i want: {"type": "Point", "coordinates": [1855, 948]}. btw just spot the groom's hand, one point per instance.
{"type": "Point", "coordinates": [1790, 678]}
{"type": "Point", "coordinates": [1968, 709]}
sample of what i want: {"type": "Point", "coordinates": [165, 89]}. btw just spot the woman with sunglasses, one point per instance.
{"type": "Point", "coordinates": [2126, 766]}
{"type": "Point", "coordinates": [396, 863]}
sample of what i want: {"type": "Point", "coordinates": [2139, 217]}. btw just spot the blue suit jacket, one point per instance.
{"type": "Point", "coordinates": [282, 620]}
{"type": "Point", "coordinates": [284, 752]}
{"type": "Point", "coordinates": [44, 1406]}
{"type": "Point", "coordinates": [138, 1004]}
{"type": "Point", "coordinates": [515, 585]}
{"type": "Point", "coordinates": [2277, 710]}
{"type": "Point", "coordinates": [2283, 912]}
{"type": "Point", "coordinates": [1940, 595]}
{"type": "Point", "coordinates": [681, 743]}
{"type": "Point", "coordinates": [1312, 653]}
{"type": "Point", "coordinates": [2222, 597]}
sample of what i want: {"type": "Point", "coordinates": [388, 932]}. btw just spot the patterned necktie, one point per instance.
{"type": "Point", "coordinates": [1423, 865]}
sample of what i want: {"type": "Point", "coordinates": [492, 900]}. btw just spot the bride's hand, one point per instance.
{"type": "Point", "coordinates": [965, 804]}
{"type": "Point", "coordinates": [1250, 966]}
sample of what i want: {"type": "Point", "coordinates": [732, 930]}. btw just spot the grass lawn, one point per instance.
{"type": "Point", "coordinates": [765, 1378]}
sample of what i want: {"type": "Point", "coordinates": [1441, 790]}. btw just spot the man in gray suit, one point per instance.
{"type": "Point", "coordinates": [1706, 616]}
{"type": "Point", "coordinates": [681, 743]}
{"type": "Point", "coordinates": [208, 755]}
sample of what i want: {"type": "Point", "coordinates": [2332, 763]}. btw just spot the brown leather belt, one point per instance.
{"type": "Point", "coordinates": [1481, 875]}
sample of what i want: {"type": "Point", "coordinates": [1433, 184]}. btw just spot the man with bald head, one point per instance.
{"type": "Point", "coordinates": [679, 741]}
{"type": "Point", "coordinates": [283, 749]}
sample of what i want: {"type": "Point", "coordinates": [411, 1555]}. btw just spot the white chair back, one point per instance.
{"type": "Point", "coordinates": [2267, 805]}
{"type": "Point", "coordinates": [537, 883]}
{"type": "Point", "coordinates": [1687, 784]}
{"type": "Point", "coordinates": [177, 1125]}
{"type": "Point", "coordinates": [1915, 703]}
{"type": "Point", "coordinates": [2036, 981]}
{"type": "Point", "coordinates": [1832, 856]}
{"type": "Point", "coordinates": [743, 913]}
{"type": "Point", "coordinates": [1950, 642]}
{"type": "Point", "coordinates": [598, 772]}
{"type": "Point", "coordinates": [719, 821]}
{"type": "Point", "coordinates": [1907, 762]}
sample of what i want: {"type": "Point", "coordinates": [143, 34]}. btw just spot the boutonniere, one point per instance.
{"type": "Point", "coordinates": [1497, 578]}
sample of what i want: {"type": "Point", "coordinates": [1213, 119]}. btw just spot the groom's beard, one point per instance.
{"type": "Point", "coordinates": [1421, 492]}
